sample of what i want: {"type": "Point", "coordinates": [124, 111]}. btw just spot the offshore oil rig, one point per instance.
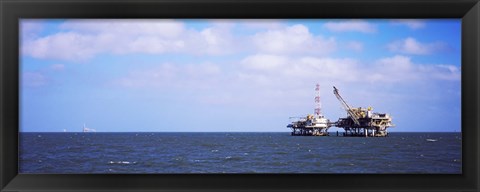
{"type": "Point", "coordinates": [311, 125]}
{"type": "Point", "coordinates": [360, 122]}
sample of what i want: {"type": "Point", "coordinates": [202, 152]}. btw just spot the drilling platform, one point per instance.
{"type": "Point", "coordinates": [360, 122]}
{"type": "Point", "coordinates": [311, 125]}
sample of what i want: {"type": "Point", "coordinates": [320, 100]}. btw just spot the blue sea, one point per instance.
{"type": "Point", "coordinates": [66, 153]}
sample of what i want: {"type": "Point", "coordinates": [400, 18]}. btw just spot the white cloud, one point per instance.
{"type": "Point", "coordinates": [401, 69]}
{"type": "Point", "coordinates": [351, 25]}
{"type": "Point", "coordinates": [215, 40]}
{"type": "Point", "coordinates": [134, 27]}
{"type": "Point", "coordinates": [291, 71]}
{"type": "Point", "coordinates": [68, 46]}
{"type": "Point", "coordinates": [412, 46]}
{"type": "Point", "coordinates": [410, 23]}
{"type": "Point", "coordinates": [264, 62]}
{"type": "Point", "coordinates": [393, 69]}
{"type": "Point", "coordinates": [443, 72]}
{"type": "Point", "coordinates": [292, 39]}
{"type": "Point", "coordinates": [271, 70]}
{"type": "Point", "coordinates": [81, 40]}
{"type": "Point", "coordinates": [256, 80]}
{"type": "Point", "coordinates": [267, 70]}
{"type": "Point", "coordinates": [285, 84]}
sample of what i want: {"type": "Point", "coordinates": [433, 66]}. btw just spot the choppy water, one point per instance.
{"type": "Point", "coordinates": [237, 153]}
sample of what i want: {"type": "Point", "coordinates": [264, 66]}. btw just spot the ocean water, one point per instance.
{"type": "Point", "coordinates": [238, 153]}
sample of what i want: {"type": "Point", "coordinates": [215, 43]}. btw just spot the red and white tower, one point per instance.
{"type": "Point", "coordinates": [318, 105]}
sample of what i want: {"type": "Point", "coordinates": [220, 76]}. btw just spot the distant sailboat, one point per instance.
{"type": "Point", "coordinates": [85, 129]}
{"type": "Point", "coordinates": [64, 130]}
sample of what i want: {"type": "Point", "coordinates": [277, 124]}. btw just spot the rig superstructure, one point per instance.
{"type": "Point", "coordinates": [312, 125]}
{"type": "Point", "coordinates": [360, 122]}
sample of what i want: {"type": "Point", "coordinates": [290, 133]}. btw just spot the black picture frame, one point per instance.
{"type": "Point", "coordinates": [13, 10]}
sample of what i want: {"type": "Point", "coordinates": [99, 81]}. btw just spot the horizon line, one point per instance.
{"type": "Point", "coordinates": [217, 132]}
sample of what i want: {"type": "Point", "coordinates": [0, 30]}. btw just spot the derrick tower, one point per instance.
{"type": "Point", "coordinates": [318, 104]}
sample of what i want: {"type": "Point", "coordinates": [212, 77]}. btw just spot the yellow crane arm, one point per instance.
{"type": "Point", "coordinates": [346, 106]}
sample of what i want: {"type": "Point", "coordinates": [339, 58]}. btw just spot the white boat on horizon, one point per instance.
{"type": "Point", "coordinates": [86, 129]}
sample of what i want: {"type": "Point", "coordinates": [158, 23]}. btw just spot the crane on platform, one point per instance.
{"type": "Point", "coordinates": [362, 121]}
{"type": "Point", "coordinates": [347, 107]}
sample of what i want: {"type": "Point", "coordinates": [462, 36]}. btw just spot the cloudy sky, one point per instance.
{"type": "Point", "coordinates": [235, 75]}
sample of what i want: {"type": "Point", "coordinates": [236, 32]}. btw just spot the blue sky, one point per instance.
{"type": "Point", "coordinates": [235, 75]}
